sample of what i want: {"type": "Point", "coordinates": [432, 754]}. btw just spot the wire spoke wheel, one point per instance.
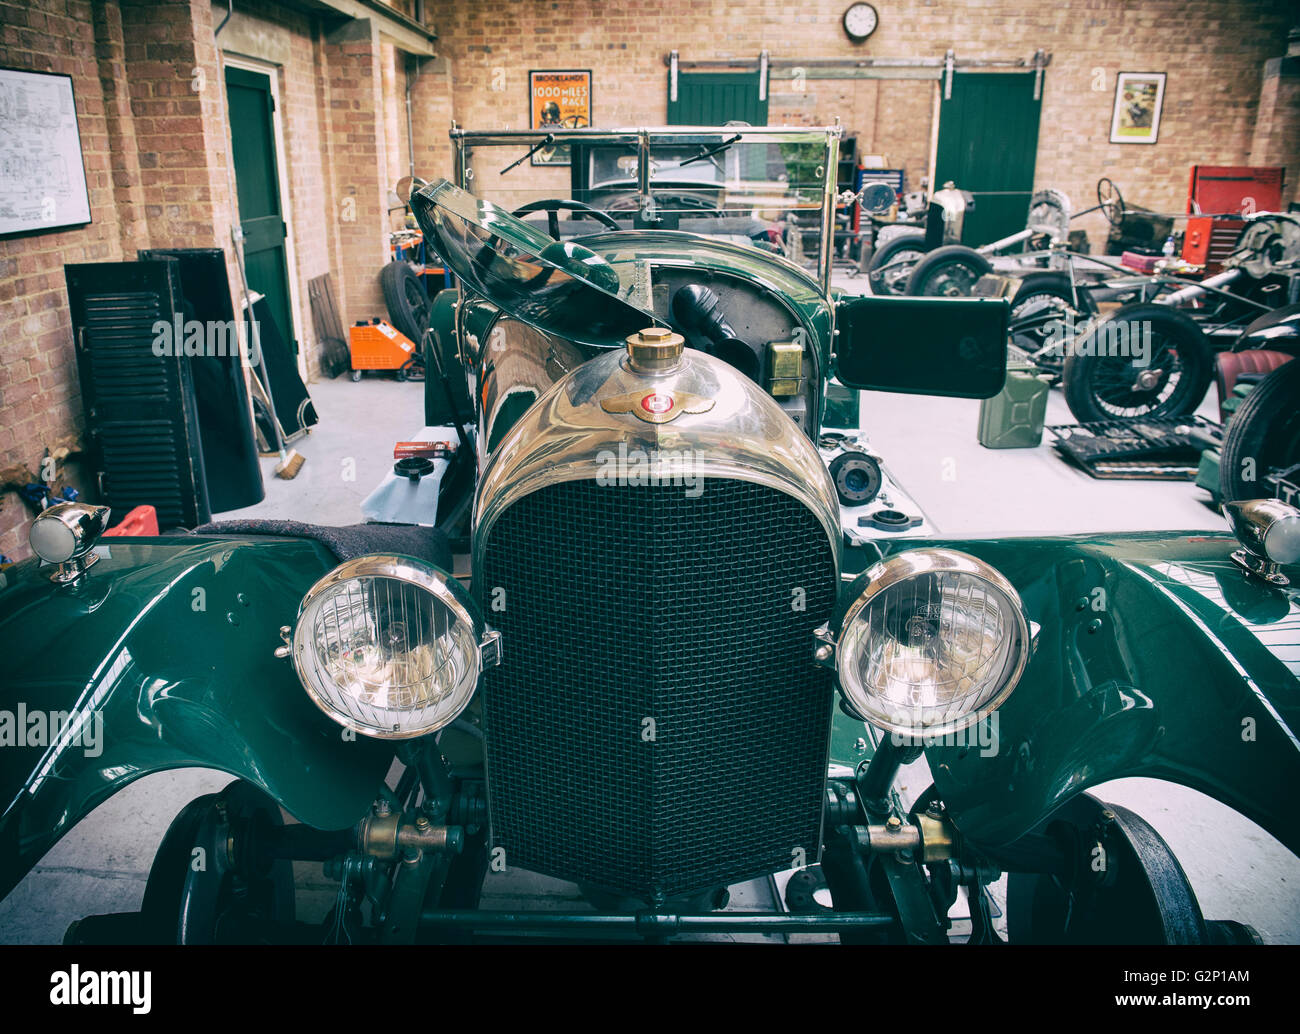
{"type": "Point", "coordinates": [954, 280]}
{"type": "Point", "coordinates": [1124, 387]}
{"type": "Point", "coordinates": [1144, 360]}
{"type": "Point", "coordinates": [948, 272]}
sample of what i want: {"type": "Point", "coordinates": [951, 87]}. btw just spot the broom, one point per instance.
{"type": "Point", "coordinates": [291, 460]}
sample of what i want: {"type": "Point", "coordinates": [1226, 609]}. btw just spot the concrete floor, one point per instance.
{"type": "Point", "coordinates": [1237, 870]}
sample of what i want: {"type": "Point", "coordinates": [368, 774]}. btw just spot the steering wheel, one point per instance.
{"type": "Point", "coordinates": [1111, 201]}
{"type": "Point", "coordinates": [553, 206]}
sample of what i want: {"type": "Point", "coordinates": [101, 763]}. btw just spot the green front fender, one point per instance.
{"type": "Point", "coordinates": [163, 655]}
{"type": "Point", "coordinates": [1156, 657]}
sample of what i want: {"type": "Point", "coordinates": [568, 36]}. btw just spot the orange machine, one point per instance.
{"type": "Point", "coordinates": [377, 345]}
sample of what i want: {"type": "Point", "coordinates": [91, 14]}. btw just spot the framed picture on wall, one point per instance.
{"type": "Point", "coordinates": [42, 175]}
{"type": "Point", "coordinates": [1139, 96]}
{"type": "Point", "coordinates": [561, 100]}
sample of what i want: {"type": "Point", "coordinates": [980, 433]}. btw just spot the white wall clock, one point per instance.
{"type": "Point", "coordinates": [860, 21]}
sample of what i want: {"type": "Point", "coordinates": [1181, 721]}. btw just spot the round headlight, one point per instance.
{"type": "Point", "coordinates": [388, 646]}
{"type": "Point", "coordinates": [936, 641]}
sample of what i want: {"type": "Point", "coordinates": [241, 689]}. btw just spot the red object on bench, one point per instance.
{"type": "Point", "coordinates": [1139, 263]}
{"type": "Point", "coordinates": [142, 520]}
{"type": "Point", "coordinates": [425, 450]}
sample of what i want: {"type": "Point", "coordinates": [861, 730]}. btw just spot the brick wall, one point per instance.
{"type": "Point", "coordinates": [1213, 51]}
{"type": "Point", "coordinates": [359, 162]}
{"type": "Point", "coordinates": [149, 84]}
{"type": "Point", "coordinates": [154, 163]}
{"type": "Point", "coordinates": [38, 394]}
{"type": "Point", "coordinates": [1277, 125]}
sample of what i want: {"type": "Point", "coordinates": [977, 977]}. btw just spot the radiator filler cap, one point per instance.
{"type": "Point", "coordinates": [654, 349]}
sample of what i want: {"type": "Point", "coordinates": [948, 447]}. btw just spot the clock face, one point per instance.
{"type": "Point", "coordinates": [860, 21]}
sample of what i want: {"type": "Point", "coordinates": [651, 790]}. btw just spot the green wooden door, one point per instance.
{"type": "Point", "coordinates": [715, 98]}
{"type": "Point", "coordinates": [988, 140]}
{"type": "Point", "coordinates": [257, 184]}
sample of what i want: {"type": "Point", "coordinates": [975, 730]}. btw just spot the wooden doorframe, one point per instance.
{"type": "Point", "coordinates": [271, 71]}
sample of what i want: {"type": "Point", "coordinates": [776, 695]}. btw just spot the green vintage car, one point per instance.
{"type": "Point", "coordinates": [678, 660]}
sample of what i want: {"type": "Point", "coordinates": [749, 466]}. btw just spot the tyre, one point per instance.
{"type": "Point", "coordinates": [1041, 302]}
{"type": "Point", "coordinates": [948, 272]}
{"type": "Point", "coordinates": [1039, 292]}
{"type": "Point", "coordinates": [406, 299]}
{"type": "Point", "coordinates": [1262, 435]}
{"type": "Point", "coordinates": [227, 900]}
{"type": "Point", "coordinates": [1142, 360]}
{"type": "Point", "coordinates": [904, 248]}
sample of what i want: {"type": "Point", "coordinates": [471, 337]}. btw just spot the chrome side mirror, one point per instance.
{"type": "Point", "coordinates": [64, 535]}
{"type": "Point", "coordinates": [1269, 531]}
{"type": "Point", "coordinates": [878, 198]}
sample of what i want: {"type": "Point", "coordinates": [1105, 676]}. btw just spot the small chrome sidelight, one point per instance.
{"type": "Point", "coordinates": [1269, 531]}
{"type": "Point", "coordinates": [824, 648]}
{"type": "Point", "coordinates": [65, 534]}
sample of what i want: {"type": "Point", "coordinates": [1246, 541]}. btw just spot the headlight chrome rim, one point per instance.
{"type": "Point", "coordinates": [444, 589]}
{"type": "Point", "coordinates": [901, 567]}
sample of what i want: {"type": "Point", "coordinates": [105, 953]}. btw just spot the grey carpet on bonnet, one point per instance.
{"type": "Point", "coordinates": [427, 544]}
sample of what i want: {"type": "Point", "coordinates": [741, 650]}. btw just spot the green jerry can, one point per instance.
{"type": "Point", "coordinates": [1014, 417]}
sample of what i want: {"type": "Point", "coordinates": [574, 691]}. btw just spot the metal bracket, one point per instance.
{"type": "Point", "coordinates": [1039, 65]}
{"type": "Point", "coordinates": [949, 59]}
{"type": "Point", "coordinates": [672, 76]}
{"type": "Point", "coordinates": [1260, 567]}
{"type": "Point", "coordinates": [762, 75]}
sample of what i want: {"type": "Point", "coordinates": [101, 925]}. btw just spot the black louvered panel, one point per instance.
{"type": "Point", "coordinates": [632, 603]}
{"type": "Point", "coordinates": [140, 412]}
{"type": "Point", "coordinates": [230, 464]}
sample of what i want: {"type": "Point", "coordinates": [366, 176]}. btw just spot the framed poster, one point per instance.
{"type": "Point", "coordinates": [42, 176]}
{"type": "Point", "coordinates": [1139, 97]}
{"type": "Point", "coordinates": [561, 100]}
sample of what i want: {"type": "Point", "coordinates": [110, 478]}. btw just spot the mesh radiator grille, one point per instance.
{"type": "Point", "coordinates": [636, 605]}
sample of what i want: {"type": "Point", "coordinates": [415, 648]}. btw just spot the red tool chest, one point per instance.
{"type": "Point", "coordinates": [1221, 192]}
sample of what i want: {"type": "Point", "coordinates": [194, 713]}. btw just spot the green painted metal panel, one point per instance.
{"type": "Point", "coordinates": [988, 141]}
{"type": "Point", "coordinates": [167, 649]}
{"type": "Point", "coordinates": [257, 185]}
{"type": "Point", "coordinates": [715, 98]}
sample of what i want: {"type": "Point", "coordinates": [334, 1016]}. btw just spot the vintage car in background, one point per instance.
{"type": "Point", "coordinates": [675, 659]}
{"type": "Point", "coordinates": [726, 182]}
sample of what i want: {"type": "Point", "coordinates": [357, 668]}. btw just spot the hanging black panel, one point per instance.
{"type": "Point", "coordinates": [234, 477]}
{"type": "Point", "coordinates": [140, 414]}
